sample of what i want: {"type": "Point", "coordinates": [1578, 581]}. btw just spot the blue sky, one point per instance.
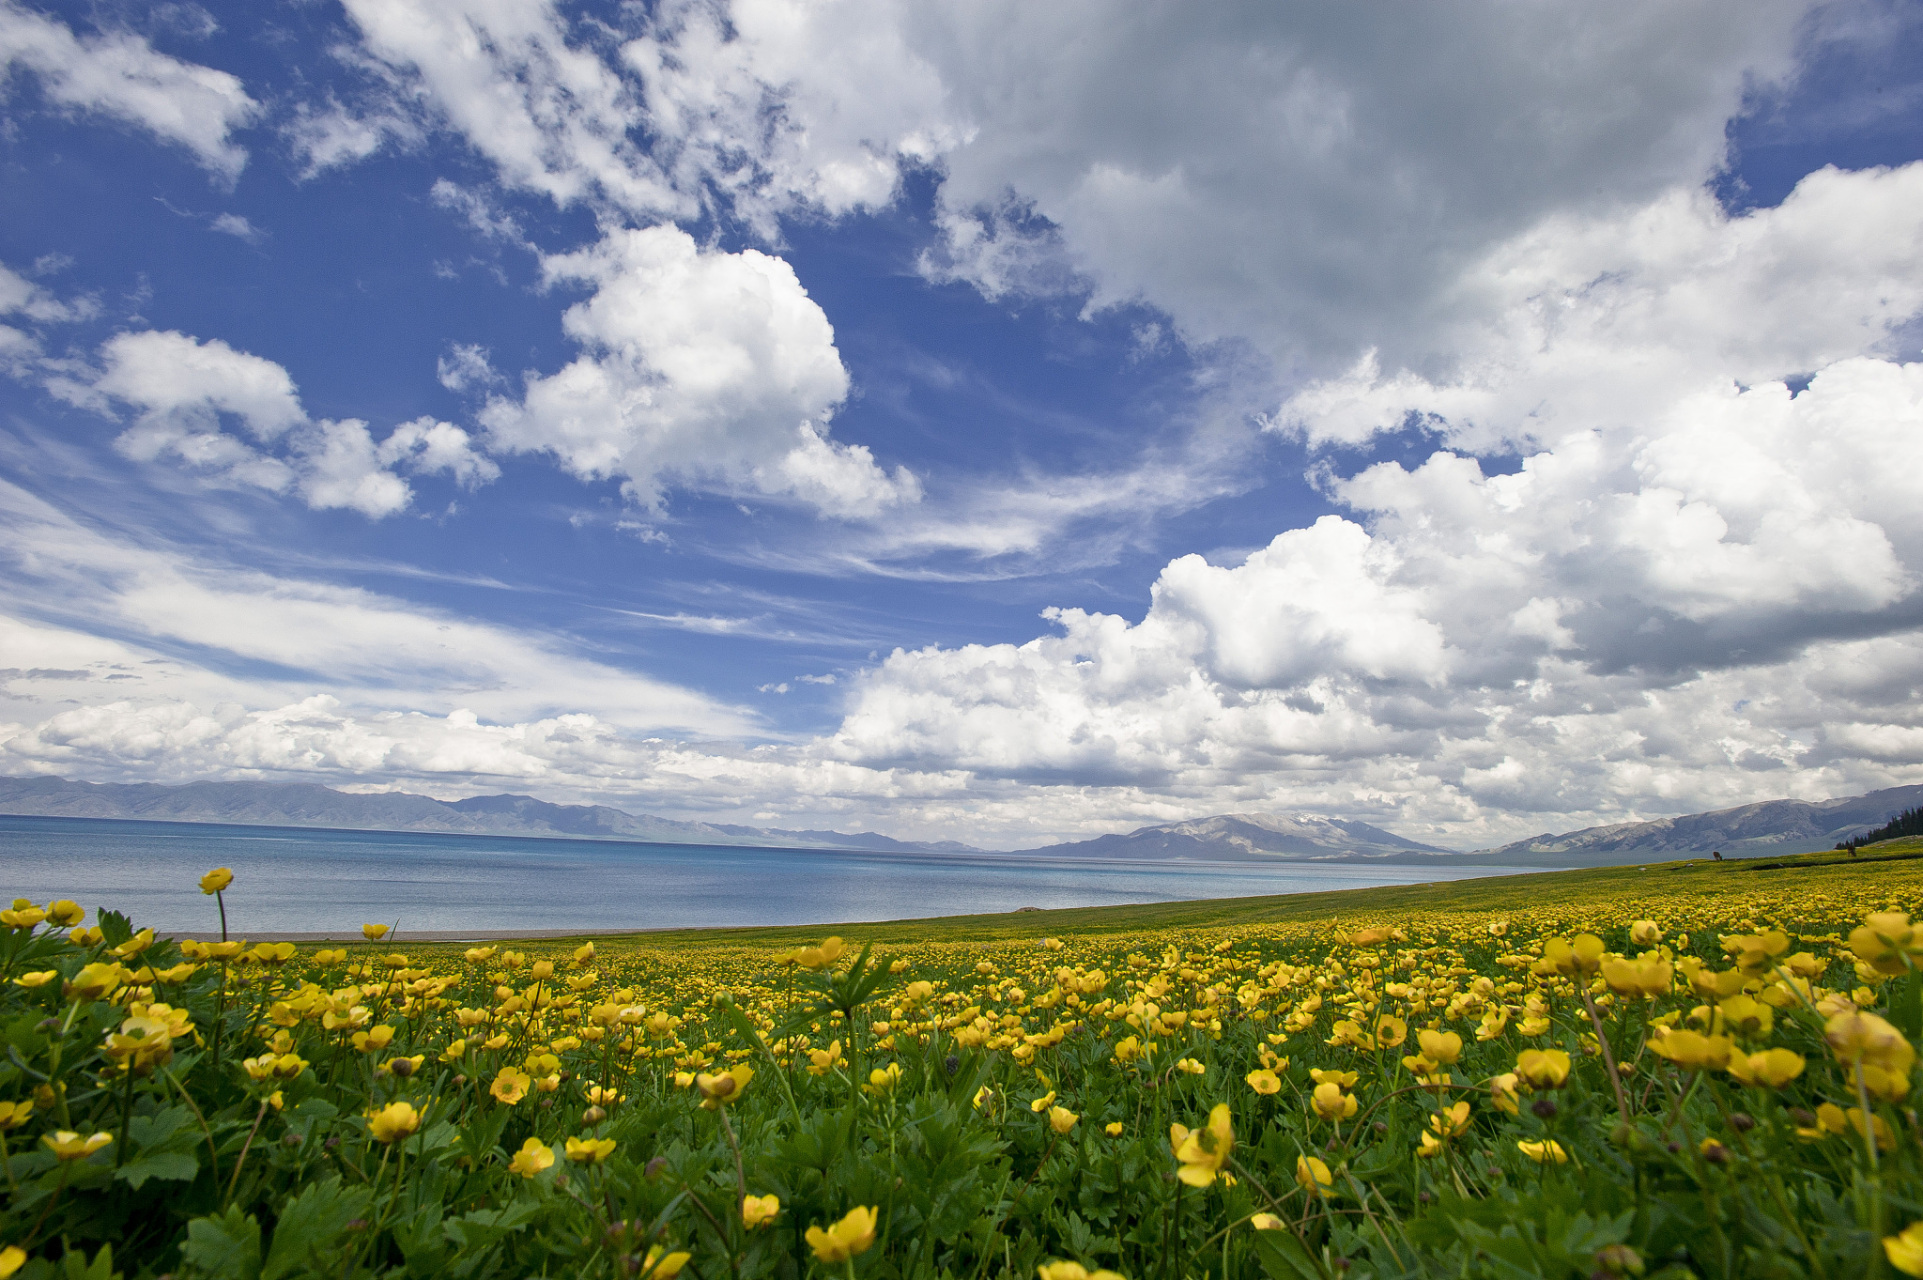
{"type": "Point", "coordinates": [967, 421]}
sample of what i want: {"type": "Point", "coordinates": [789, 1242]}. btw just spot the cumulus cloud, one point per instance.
{"type": "Point", "coordinates": [540, 101]}
{"type": "Point", "coordinates": [1696, 589]}
{"type": "Point", "coordinates": [181, 388]}
{"type": "Point", "coordinates": [119, 74]}
{"type": "Point", "coordinates": [700, 367]}
{"type": "Point", "coordinates": [1304, 180]}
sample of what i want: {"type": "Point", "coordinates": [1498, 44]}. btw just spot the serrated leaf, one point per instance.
{"type": "Point", "coordinates": [162, 1128]}
{"type": "Point", "coordinates": [174, 1166]}
{"type": "Point", "coordinates": [312, 1223]}
{"type": "Point", "coordinates": [224, 1246]}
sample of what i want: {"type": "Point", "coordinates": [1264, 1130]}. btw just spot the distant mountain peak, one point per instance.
{"type": "Point", "coordinates": [1253, 836]}
{"type": "Point", "coordinates": [307, 804]}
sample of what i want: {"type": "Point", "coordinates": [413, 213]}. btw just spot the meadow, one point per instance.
{"type": "Point", "coordinates": [1678, 1070]}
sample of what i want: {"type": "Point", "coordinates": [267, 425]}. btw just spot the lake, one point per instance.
{"type": "Point", "coordinates": [307, 880]}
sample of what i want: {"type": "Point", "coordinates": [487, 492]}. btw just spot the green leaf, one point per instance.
{"type": "Point", "coordinates": [74, 1265]}
{"type": "Point", "coordinates": [114, 927]}
{"type": "Point", "coordinates": [156, 1129]}
{"type": "Point", "coordinates": [313, 1223]}
{"type": "Point", "coordinates": [175, 1166]}
{"type": "Point", "coordinates": [224, 1246]}
{"type": "Point", "coordinates": [1283, 1257]}
{"type": "Point", "coordinates": [1906, 1004]}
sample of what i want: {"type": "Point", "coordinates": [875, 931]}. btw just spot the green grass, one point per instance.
{"type": "Point", "coordinates": [1494, 894]}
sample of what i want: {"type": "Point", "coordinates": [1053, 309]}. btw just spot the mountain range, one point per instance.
{"type": "Point", "coordinates": [1770, 826]}
{"type": "Point", "coordinates": [303, 804]}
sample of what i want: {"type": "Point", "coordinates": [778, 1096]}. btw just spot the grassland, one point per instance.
{"type": "Point", "coordinates": [1680, 1070]}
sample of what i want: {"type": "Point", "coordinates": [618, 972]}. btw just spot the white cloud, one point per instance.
{"type": "Point", "coordinates": [536, 99]}
{"type": "Point", "coordinates": [118, 74]}
{"type": "Point", "coordinates": [331, 137]}
{"type": "Point", "coordinates": [1587, 322]}
{"type": "Point", "coordinates": [181, 386]}
{"type": "Point", "coordinates": [1701, 590]}
{"type": "Point", "coordinates": [426, 446]}
{"type": "Point", "coordinates": [1307, 180]}
{"type": "Point", "coordinates": [233, 224]}
{"type": "Point", "coordinates": [20, 296]}
{"type": "Point", "coordinates": [465, 368]}
{"type": "Point", "coordinates": [176, 629]}
{"type": "Point", "coordinates": [704, 368]}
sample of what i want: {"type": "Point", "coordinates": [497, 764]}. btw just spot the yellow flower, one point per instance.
{"type": "Point", "coordinates": [1266, 1222]}
{"type": "Point", "coordinates": [1043, 1103]}
{"type": "Point", "coordinates": [1390, 1032]}
{"type": "Point", "coordinates": [1876, 1053]}
{"type": "Point", "coordinates": [373, 932]}
{"type": "Point", "coordinates": [662, 1265]}
{"type": "Point", "coordinates": [1190, 1067]}
{"type": "Point", "coordinates": [37, 979]}
{"type": "Point", "coordinates": [756, 1210]}
{"type": "Point", "coordinates": [1645, 979]}
{"type": "Point", "coordinates": [1061, 1119]}
{"type": "Point", "coordinates": [1203, 1151]}
{"type": "Point", "coordinates": [1883, 939]}
{"type": "Point", "coordinates": [1073, 1271]}
{"type": "Point", "coordinates": [533, 1157]}
{"type": "Point", "coordinates": [1113, 1128]}
{"type": "Point", "coordinates": [142, 1043]}
{"type": "Point", "coordinates": [852, 1235]}
{"type": "Point", "coordinates": [1885, 1140]}
{"type": "Point", "coordinates": [822, 1061]}
{"type": "Point", "coordinates": [68, 1145]}
{"type": "Point", "coordinates": [1264, 1081]}
{"type": "Point", "coordinates": [1905, 1251]}
{"type": "Point", "coordinates": [1543, 1068]}
{"type": "Point", "coordinates": [1645, 933]}
{"type": "Point", "coordinates": [95, 981]}
{"type": "Point", "coordinates": [1329, 1102]}
{"type": "Point", "coordinates": [589, 1150]}
{"type": "Point", "coordinates": [510, 1086]}
{"type": "Point", "coordinates": [374, 1039]}
{"type": "Point", "coordinates": [1773, 1068]}
{"type": "Point", "coordinates": [718, 1091]}
{"type": "Point", "coordinates": [12, 1258]}
{"type": "Point", "coordinates": [1450, 1123]}
{"type": "Point", "coordinates": [1571, 959]}
{"type": "Point", "coordinates": [818, 958]}
{"type": "Point", "coordinates": [1544, 1152]}
{"type": "Point", "coordinates": [1440, 1047]}
{"type": "Point", "coordinates": [14, 1114]}
{"type": "Point", "coordinates": [216, 880]}
{"type": "Point", "coordinates": [1346, 1079]}
{"type": "Point", "coordinates": [1502, 1092]}
{"type": "Point", "coordinates": [393, 1122]}
{"type": "Point", "coordinates": [1691, 1050]}
{"type": "Point", "coordinates": [1312, 1175]}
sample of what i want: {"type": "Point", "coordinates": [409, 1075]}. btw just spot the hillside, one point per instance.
{"type": "Point", "coordinates": [302, 804]}
{"type": "Point", "coordinates": [1255, 837]}
{"type": "Point", "coordinates": [1769, 826]}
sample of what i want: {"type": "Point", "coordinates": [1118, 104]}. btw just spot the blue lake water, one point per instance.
{"type": "Point", "coordinates": [305, 880]}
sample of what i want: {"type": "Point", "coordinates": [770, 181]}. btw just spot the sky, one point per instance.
{"type": "Point", "coordinates": [966, 419]}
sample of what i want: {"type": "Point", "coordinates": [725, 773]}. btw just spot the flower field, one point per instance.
{"type": "Point", "coordinates": [1699, 1073]}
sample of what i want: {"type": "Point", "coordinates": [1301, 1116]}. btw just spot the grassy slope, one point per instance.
{"type": "Point", "coordinates": [1492, 894]}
